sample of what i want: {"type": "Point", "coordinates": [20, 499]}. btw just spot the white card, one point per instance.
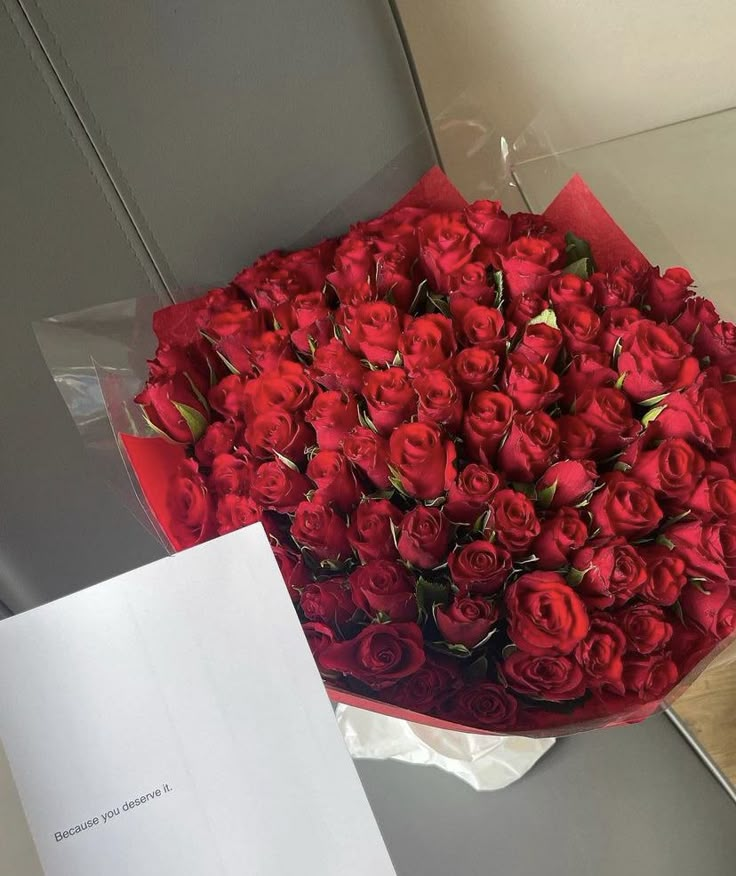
{"type": "Point", "coordinates": [172, 721]}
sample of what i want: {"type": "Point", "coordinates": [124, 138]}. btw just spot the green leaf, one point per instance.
{"type": "Point", "coordinates": [435, 503]}
{"type": "Point", "coordinates": [662, 539]}
{"type": "Point", "coordinates": [617, 350]}
{"type": "Point", "coordinates": [577, 248]}
{"type": "Point", "coordinates": [397, 360]}
{"type": "Point", "coordinates": [508, 650]}
{"type": "Point", "coordinates": [548, 317]}
{"type": "Point", "coordinates": [621, 466]}
{"type": "Point", "coordinates": [366, 421]}
{"type": "Point", "coordinates": [481, 523]}
{"type": "Point", "coordinates": [620, 380]}
{"type": "Point", "coordinates": [477, 670]}
{"type": "Point", "coordinates": [652, 414]}
{"type": "Point", "coordinates": [729, 378]}
{"type": "Point", "coordinates": [286, 461]}
{"type": "Point", "coordinates": [582, 268]}
{"type": "Point", "coordinates": [228, 364]}
{"type": "Point", "coordinates": [654, 400]}
{"type": "Point", "coordinates": [431, 593]}
{"type": "Point", "coordinates": [196, 421]}
{"type": "Point", "coordinates": [498, 282]}
{"type": "Point", "coordinates": [156, 428]}
{"type": "Point", "coordinates": [312, 344]}
{"type": "Point", "coordinates": [456, 650]}
{"type": "Point", "coordinates": [419, 302]}
{"type": "Point", "coordinates": [395, 480]}
{"type": "Point", "coordinates": [394, 533]}
{"type": "Point", "coordinates": [575, 576]}
{"type": "Point", "coordinates": [698, 584]}
{"type": "Point", "coordinates": [545, 496]}
{"type": "Point", "coordinates": [440, 304]}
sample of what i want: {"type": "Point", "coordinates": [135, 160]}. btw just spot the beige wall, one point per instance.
{"type": "Point", "coordinates": [549, 75]}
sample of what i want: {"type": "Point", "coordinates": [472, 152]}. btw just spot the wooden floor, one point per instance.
{"type": "Point", "coordinates": [708, 708]}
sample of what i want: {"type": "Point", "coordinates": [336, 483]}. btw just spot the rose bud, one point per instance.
{"type": "Point", "coordinates": [484, 327]}
{"type": "Point", "coordinates": [317, 527]}
{"type": "Point", "coordinates": [369, 453]}
{"type": "Point", "coordinates": [327, 601]}
{"type": "Point", "coordinates": [612, 290]}
{"type": "Point", "coordinates": [335, 368]}
{"type": "Point", "coordinates": [230, 474]}
{"type": "Point", "coordinates": [380, 655]}
{"type": "Point", "coordinates": [650, 677]}
{"type": "Point", "coordinates": [466, 621]}
{"type": "Point", "coordinates": [471, 493]}
{"type": "Point", "coordinates": [234, 512]}
{"type": "Point", "coordinates": [560, 535]}
{"type": "Point", "coordinates": [585, 375]}
{"type": "Point", "coordinates": [521, 309]}
{"type": "Point", "coordinates": [475, 369]}
{"type": "Point", "coordinates": [698, 413]}
{"type": "Point", "coordinates": [333, 415]}
{"type": "Point", "coordinates": [531, 446]}
{"type": "Point", "coordinates": [218, 438]}
{"type": "Point", "coordinates": [335, 480]}
{"type": "Point", "coordinates": [190, 506]}
{"type": "Point", "coordinates": [624, 507]}
{"type": "Point", "coordinates": [427, 689]}
{"type": "Point", "coordinates": [568, 289]}
{"type": "Point", "coordinates": [545, 614]}
{"type": "Point", "coordinates": [386, 588]}
{"type": "Point", "coordinates": [566, 483]}
{"type": "Point", "coordinates": [600, 654]}
{"type": "Point", "coordinates": [390, 398]}
{"type": "Point", "coordinates": [440, 401]}
{"type": "Point", "coordinates": [513, 521]}
{"type": "Point", "coordinates": [612, 573]}
{"type": "Point", "coordinates": [550, 677]}
{"type": "Point", "coordinates": [665, 574]}
{"type": "Point", "coordinates": [293, 570]}
{"type": "Point", "coordinates": [379, 330]}
{"type": "Point", "coordinates": [289, 387]}
{"type": "Point", "coordinates": [701, 546]}
{"type": "Point", "coordinates": [318, 636]}
{"type": "Point", "coordinates": [615, 324]}
{"type": "Point", "coordinates": [370, 530]}
{"type": "Point", "coordinates": [173, 407]}
{"type": "Point", "coordinates": [655, 360]}
{"type": "Point", "coordinates": [484, 704]}
{"type": "Point", "coordinates": [698, 313]}
{"type": "Point", "coordinates": [446, 244]}
{"type": "Point", "coordinates": [530, 385]}
{"type": "Point", "coordinates": [672, 469]}
{"type": "Point", "coordinates": [393, 276]}
{"type": "Point", "coordinates": [719, 344]}
{"type": "Point", "coordinates": [278, 487]}
{"type": "Point", "coordinates": [666, 294]}
{"type": "Point", "coordinates": [424, 536]}
{"type": "Point", "coordinates": [645, 627]}
{"type": "Point", "coordinates": [489, 222]}
{"type": "Point", "coordinates": [714, 499]}
{"type": "Point", "coordinates": [576, 437]}
{"type": "Point", "coordinates": [701, 605]}
{"type": "Point", "coordinates": [278, 432]}
{"type": "Point", "coordinates": [427, 342]}
{"type": "Point", "coordinates": [423, 460]}
{"type": "Point", "coordinates": [540, 343]}
{"type": "Point", "coordinates": [480, 567]}
{"type": "Point", "coordinates": [608, 412]}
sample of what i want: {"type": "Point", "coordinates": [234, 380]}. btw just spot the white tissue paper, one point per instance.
{"type": "Point", "coordinates": [487, 763]}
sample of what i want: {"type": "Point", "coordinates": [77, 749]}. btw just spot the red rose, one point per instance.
{"type": "Point", "coordinates": [278, 487]}
{"type": "Point", "coordinates": [612, 290]}
{"type": "Point", "coordinates": [427, 342]}
{"type": "Point", "coordinates": [666, 294]}
{"type": "Point", "coordinates": [567, 482]}
{"type": "Point", "coordinates": [370, 530]}
{"type": "Point", "coordinates": [545, 614]}
{"type": "Point", "coordinates": [559, 537]}
{"type": "Point", "coordinates": [714, 499]}
{"type": "Point", "coordinates": [389, 398]}
{"type": "Point", "coordinates": [333, 415]}
{"type": "Point", "coordinates": [612, 573]}
{"type": "Point", "coordinates": [379, 331]}
{"type": "Point", "coordinates": [172, 406]}
{"type": "Point", "coordinates": [726, 619]}
{"type": "Point", "coordinates": [550, 677]}
{"type": "Point", "coordinates": [702, 604]}
{"type": "Point", "coordinates": [369, 453]}
{"type": "Point", "coordinates": [580, 327]}
{"type": "Point", "coordinates": [190, 505]}
{"type": "Point", "coordinates": [319, 636]}
{"type": "Point", "coordinates": [530, 384]}
{"type": "Point", "coordinates": [335, 480]}
{"type": "Point", "coordinates": [353, 262]}
{"type": "Point", "coordinates": [307, 318]}
{"type": "Point", "coordinates": [485, 705]}
{"type": "Point", "coordinates": [718, 343]}
{"type": "Point", "coordinates": [293, 570]}
{"type": "Point", "coordinates": [230, 474]}
{"type": "Point", "coordinates": [317, 527]}
{"type": "Point", "coordinates": [335, 368]}
{"type": "Point", "coordinates": [219, 438]}
{"type": "Point", "coordinates": [228, 396]}
{"type": "Point", "coordinates": [278, 432]}
{"type": "Point", "coordinates": [439, 399]}
{"type": "Point", "coordinates": [311, 264]}
{"type": "Point", "coordinates": [600, 654]}
{"type": "Point", "coordinates": [654, 360]}
{"type": "Point", "coordinates": [650, 677]}
{"type": "Point", "coordinates": [393, 276]}
{"type": "Point", "coordinates": [425, 690]}
{"type": "Point", "coordinates": [475, 369]}
{"type": "Point", "coordinates": [672, 469]}
{"type": "Point", "coordinates": [637, 271]}
{"type": "Point", "coordinates": [585, 375]}
{"type": "Point", "coordinates": [196, 361]}
{"type": "Point", "coordinates": [700, 545]}
{"type": "Point", "coordinates": [523, 307]}
{"type": "Point", "coordinates": [424, 536]}
{"type": "Point", "coordinates": [665, 575]}
{"type": "Point", "coordinates": [289, 388]}
{"type": "Point", "coordinates": [234, 512]}
{"type": "Point", "coordinates": [327, 601]}
{"type": "Point", "coordinates": [513, 521]}
{"type": "Point", "coordinates": [570, 289]}
{"type": "Point", "coordinates": [527, 272]}
{"type": "Point", "coordinates": [383, 587]}
{"type": "Point", "coordinates": [576, 437]}
{"type": "Point", "coordinates": [645, 627]}
{"type": "Point", "coordinates": [379, 655]}
{"type": "Point", "coordinates": [480, 567]}
{"type": "Point", "coordinates": [489, 222]}
{"type": "Point", "coordinates": [484, 327]}
{"type": "Point", "coordinates": [469, 288]}
{"type": "Point", "coordinates": [531, 445]}
{"type": "Point", "coordinates": [268, 352]}
{"type": "Point", "coordinates": [469, 496]}
{"type": "Point", "coordinates": [608, 412]}
{"type": "Point", "coordinates": [466, 621]}
{"type": "Point", "coordinates": [698, 313]}
{"type": "Point", "coordinates": [616, 323]}
{"type": "Point", "coordinates": [624, 507]}
{"type": "Point", "coordinates": [688, 646]}
{"type": "Point", "coordinates": [700, 413]}
{"type": "Point", "coordinates": [538, 250]}
{"type": "Point", "coordinates": [423, 460]}
{"type": "Point", "coordinates": [728, 543]}
{"type": "Point", "coordinates": [445, 245]}
{"type": "Point", "coordinates": [540, 343]}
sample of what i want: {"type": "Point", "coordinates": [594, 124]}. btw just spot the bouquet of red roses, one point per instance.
{"type": "Point", "coordinates": [495, 459]}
